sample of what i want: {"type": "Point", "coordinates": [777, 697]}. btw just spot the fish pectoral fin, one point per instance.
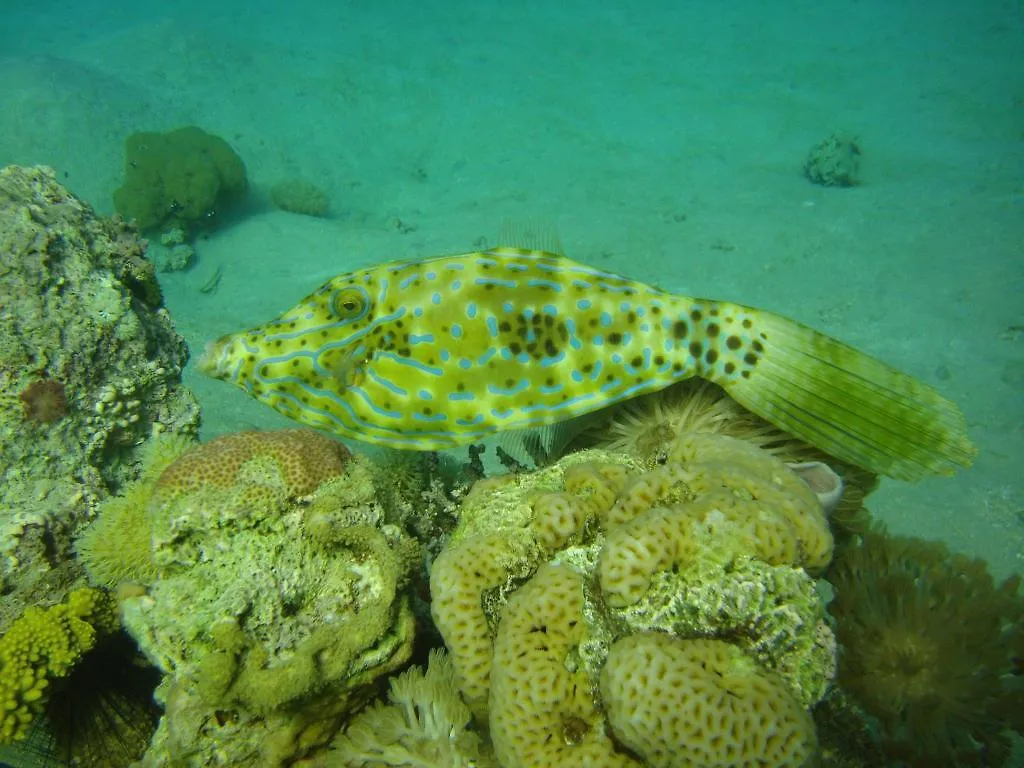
{"type": "Point", "coordinates": [349, 369]}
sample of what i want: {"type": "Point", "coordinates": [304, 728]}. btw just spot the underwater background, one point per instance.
{"type": "Point", "coordinates": [673, 142]}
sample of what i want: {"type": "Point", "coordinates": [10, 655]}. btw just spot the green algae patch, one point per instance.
{"type": "Point", "coordinates": [182, 178]}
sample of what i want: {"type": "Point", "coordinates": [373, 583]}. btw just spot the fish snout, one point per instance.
{"type": "Point", "coordinates": [216, 358]}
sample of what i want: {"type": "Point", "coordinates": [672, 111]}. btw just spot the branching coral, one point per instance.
{"type": "Point", "coordinates": [43, 645]}
{"type": "Point", "coordinates": [930, 645]}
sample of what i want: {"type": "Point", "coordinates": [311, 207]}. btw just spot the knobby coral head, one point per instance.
{"type": "Point", "coordinates": [44, 401]}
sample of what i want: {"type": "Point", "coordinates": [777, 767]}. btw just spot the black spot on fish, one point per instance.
{"type": "Point", "coordinates": [550, 349]}
{"type": "Point", "coordinates": [680, 329]}
{"type": "Point", "coordinates": [637, 361]}
{"type": "Point", "coordinates": [747, 323]}
{"type": "Point", "coordinates": [733, 343]}
{"type": "Point", "coordinates": [730, 369]}
{"type": "Point", "coordinates": [515, 347]}
{"type": "Point", "coordinates": [659, 360]}
{"type": "Point", "coordinates": [750, 358]}
{"type": "Point", "coordinates": [713, 329]}
{"type": "Point", "coordinates": [614, 337]}
{"type": "Point", "coordinates": [696, 349]}
{"type": "Point", "coordinates": [757, 346]}
{"type": "Point", "coordinates": [711, 356]}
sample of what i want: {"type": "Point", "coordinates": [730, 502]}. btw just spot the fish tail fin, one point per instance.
{"type": "Point", "coordinates": [844, 402]}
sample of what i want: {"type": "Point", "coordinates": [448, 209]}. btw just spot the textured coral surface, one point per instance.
{"type": "Point", "coordinates": [90, 366]}
{"type": "Point", "coordinates": [548, 572]}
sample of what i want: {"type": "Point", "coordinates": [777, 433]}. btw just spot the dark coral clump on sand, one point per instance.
{"type": "Point", "coordinates": [929, 647]}
{"type": "Point", "coordinates": [181, 179]}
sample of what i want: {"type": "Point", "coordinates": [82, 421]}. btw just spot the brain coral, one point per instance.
{"type": "Point", "coordinates": [701, 701]}
{"type": "Point", "coordinates": [280, 595]}
{"type": "Point", "coordinates": [549, 572]}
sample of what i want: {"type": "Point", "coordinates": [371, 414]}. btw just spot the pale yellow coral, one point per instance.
{"type": "Point", "coordinates": [543, 712]}
{"type": "Point", "coordinates": [547, 570]}
{"type": "Point", "coordinates": [42, 645]}
{"type": "Point", "coordinates": [460, 579]}
{"type": "Point", "coordinates": [657, 540]}
{"type": "Point", "coordinates": [701, 703]}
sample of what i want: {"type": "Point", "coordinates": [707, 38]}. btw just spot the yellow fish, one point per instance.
{"type": "Point", "coordinates": [441, 352]}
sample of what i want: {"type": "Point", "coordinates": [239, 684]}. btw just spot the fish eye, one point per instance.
{"type": "Point", "coordinates": [348, 303]}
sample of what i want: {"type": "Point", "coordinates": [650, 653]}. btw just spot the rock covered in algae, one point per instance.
{"type": "Point", "coordinates": [90, 366]}
{"type": "Point", "coordinates": [277, 597]}
{"type": "Point", "coordinates": [707, 557]}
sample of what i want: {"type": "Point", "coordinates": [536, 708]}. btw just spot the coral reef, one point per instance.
{"type": "Point", "coordinates": [41, 646]}
{"type": "Point", "coordinates": [275, 598]}
{"type": "Point", "coordinates": [90, 368]}
{"type": "Point", "coordinates": [931, 650]}
{"type": "Point", "coordinates": [549, 571]}
{"type": "Point", "coordinates": [182, 178]}
{"type": "Point", "coordinates": [425, 723]}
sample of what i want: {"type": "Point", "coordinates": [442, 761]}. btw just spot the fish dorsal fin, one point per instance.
{"type": "Point", "coordinates": [531, 234]}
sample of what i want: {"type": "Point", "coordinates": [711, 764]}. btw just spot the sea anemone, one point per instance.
{"type": "Point", "coordinates": [44, 401]}
{"type": "Point", "coordinates": [929, 645]}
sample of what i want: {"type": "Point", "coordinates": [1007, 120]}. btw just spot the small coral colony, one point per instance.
{"type": "Point", "coordinates": [580, 522]}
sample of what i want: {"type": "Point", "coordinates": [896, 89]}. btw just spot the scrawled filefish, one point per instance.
{"type": "Point", "coordinates": [439, 352]}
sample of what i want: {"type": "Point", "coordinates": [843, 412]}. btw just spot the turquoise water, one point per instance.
{"type": "Point", "coordinates": [663, 140]}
